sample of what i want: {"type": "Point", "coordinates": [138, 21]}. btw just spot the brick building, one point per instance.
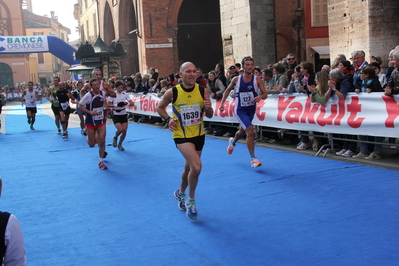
{"type": "Point", "coordinates": [17, 19]}
{"type": "Point", "coordinates": [14, 68]}
{"type": "Point", "coordinates": [163, 34]}
{"type": "Point", "coordinates": [371, 26]}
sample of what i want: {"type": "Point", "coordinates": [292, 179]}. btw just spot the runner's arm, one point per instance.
{"type": "Point", "coordinates": [38, 97]}
{"type": "Point", "coordinates": [48, 93]}
{"type": "Point", "coordinates": [161, 109]}
{"type": "Point", "coordinates": [23, 96]}
{"type": "Point", "coordinates": [208, 105]}
{"type": "Point", "coordinates": [227, 92]}
{"type": "Point", "coordinates": [70, 95]}
{"type": "Point", "coordinates": [82, 105]}
{"type": "Point", "coordinates": [109, 90]}
{"type": "Point", "coordinates": [163, 103]}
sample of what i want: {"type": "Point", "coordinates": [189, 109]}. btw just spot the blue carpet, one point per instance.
{"type": "Point", "coordinates": [293, 210]}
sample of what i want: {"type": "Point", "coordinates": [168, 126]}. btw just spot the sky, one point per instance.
{"type": "Point", "coordinates": [63, 10]}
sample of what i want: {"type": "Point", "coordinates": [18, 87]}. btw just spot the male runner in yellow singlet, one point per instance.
{"type": "Point", "coordinates": [190, 102]}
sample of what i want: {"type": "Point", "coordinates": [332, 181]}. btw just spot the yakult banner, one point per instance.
{"type": "Point", "coordinates": [23, 44]}
{"type": "Point", "coordinates": [370, 114]}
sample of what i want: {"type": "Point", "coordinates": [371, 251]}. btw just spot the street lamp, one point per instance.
{"type": "Point", "coordinates": [297, 24]}
{"type": "Point", "coordinates": [298, 13]}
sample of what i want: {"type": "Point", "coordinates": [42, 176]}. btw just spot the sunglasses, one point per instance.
{"type": "Point", "coordinates": [290, 59]}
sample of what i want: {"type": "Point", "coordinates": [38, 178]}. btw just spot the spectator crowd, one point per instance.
{"type": "Point", "coordinates": [354, 74]}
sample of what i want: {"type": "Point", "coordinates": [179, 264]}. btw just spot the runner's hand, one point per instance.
{"type": "Point", "coordinates": [172, 124]}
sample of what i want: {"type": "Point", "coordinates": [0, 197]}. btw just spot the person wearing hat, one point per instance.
{"type": "Point", "coordinates": [129, 85]}
{"type": "Point", "coordinates": [232, 73]}
{"type": "Point", "coordinates": [376, 59]}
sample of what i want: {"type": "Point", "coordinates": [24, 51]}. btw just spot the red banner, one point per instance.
{"type": "Point", "coordinates": [359, 114]}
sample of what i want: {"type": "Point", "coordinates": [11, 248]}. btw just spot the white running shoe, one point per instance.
{"type": "Point", "coordinates": [348, 154]}
{"type": "Point", "coordinates": [341, 152]}
{"type": "Point", "coordinates": [303, 146]}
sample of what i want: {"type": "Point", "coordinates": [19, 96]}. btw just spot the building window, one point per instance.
{"type": "Point", "coordinates": [38, 33]}
{"type": "Point", "coordinates": [5, 20]}
{"type": "Point", "coordinates": [40, 58]}
{"type": "Point", "coordinates": [82, 33]}
{"type": "Point", "coordinates": [24, 4]}
{"type": "Point", "coordinates": [95, 24]}
{"type": "Point", "coordinates": [87, 29]}
{"type": "Point", "coordinates": [85, 4]}
{"type": "Point", "coordinates": [319, 13]}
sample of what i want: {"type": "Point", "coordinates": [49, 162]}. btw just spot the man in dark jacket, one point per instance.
{"type": "Point", "coordinates": [219, 69]}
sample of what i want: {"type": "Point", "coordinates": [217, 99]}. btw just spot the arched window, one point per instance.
{"type": "Point", "coordinates": [5, 20]}
{"type": "Point", "coordinates": [6, 76]}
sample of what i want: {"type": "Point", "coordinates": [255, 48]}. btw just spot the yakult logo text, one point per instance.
{"type": "Point", "coordinates": [313, 113]}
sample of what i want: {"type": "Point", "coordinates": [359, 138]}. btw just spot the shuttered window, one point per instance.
{"type": "Point", "coordinates": [319, 13]}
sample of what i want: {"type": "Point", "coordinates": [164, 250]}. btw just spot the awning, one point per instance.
{"type": "Point", "coordinates": [323, 51]}
{"type": "Point", "coordinates": [84, 70]}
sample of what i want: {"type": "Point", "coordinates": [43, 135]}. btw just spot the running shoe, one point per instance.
{"type": "Point", "coordinates": [65, 135]}
{"type": "Point", "coordinates": [82, 131]}
{"type": "Point", "coordinates": [120, 147]}
{"type": "Point", "coordinates": [303, 146]}
{"type": "Point", "coordinates": [102, 165]}
{"type": "Point", "coordinates": [255, 163]}
{"type": "Point", "coordinates": [59, 131]}
{"type": "Point", "coordinates": [181, 200]}
{"type": "Point", "coordinates": [341, 152]}
{"type": "Point", "coordinates": [230, 148]}
{"type": "Point", "coordinates": [32, 128]}
{"type": "Point", "coordinates": [191, 211]}
{"type": "Point", "coordinates": [85, 131]}
{"type": "Point", "coordinates": [114, 141]}
{"type": "Point", "coordinates": [348, 154]}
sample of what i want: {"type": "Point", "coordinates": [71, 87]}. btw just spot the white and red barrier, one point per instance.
{"type": "Point", "coordinates": [359, 114]}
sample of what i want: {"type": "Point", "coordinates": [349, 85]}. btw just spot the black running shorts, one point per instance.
{"type": "Point", "coordinates": [119, 119]}
{"type": "Point", "coordinates": [197, 141]}
{"type": "Point", "coordinates": [33, 110]}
